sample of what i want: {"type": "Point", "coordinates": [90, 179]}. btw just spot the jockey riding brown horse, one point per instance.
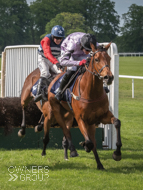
{"type": "Point", "coordinates": [89, 103]}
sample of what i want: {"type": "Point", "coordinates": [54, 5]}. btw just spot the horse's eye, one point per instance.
{"type": "Point", "coordinates": [96, 60]}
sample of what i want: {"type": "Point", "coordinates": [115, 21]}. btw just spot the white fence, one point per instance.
{"type": "Point", "coordinates": [19, 61]}
{"type": "Point", "coordinates": [131, 77]}
{"type": "Point", "coordinates": [131, 54]}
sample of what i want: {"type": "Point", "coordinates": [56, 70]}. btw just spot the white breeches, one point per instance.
{"type": "Point", "coordinates": [46, 67]}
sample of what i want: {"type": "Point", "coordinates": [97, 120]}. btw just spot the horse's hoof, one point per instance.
{"type": "Point", "coordinates": [116, 157]}
{"type": "Point", "coordinates": [21, 134]}
{"type": "Point", "coordinates": [74, 154]}
{"type": "Point", "coordinates": [38, 128]}
{"type": "Point", "coordinates": [43, 154]}
{"type": "Point", "coordinates": [100, 167]}
{"type": "Point", "coordinates": [88, 146]}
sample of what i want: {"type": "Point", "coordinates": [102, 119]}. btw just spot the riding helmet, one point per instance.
{"type": "Point", "coordinates": [58, 31]}
{"type": "Point", "coordinates": [86, 40]}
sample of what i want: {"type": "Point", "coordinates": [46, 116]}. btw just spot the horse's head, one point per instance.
{"type": "Point", "coordinates": [101, 63]}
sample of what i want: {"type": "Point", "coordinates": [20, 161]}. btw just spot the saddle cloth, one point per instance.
{"type": "Point", "coordinates": [34, 88]}
{"type": "Point", "coordinates": [67, 94]}
{"type": "Point", "coordinates": [43, 90]}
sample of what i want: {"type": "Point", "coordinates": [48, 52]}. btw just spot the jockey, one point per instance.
{"type": "Point", "coordinates": [48, 55]}
{"type": "Point", "coordinates": [74, 51]}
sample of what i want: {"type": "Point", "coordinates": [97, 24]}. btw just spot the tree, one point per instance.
{"type": "Point", "coordinates": [99, 15]}
{"type": "Point", "coordinates": [14, 23]}
{"type": "Point", "coordinates": [132, 31]}
{"type": "Point", "coordinates": [71, 22]}
{"type": "Point", "coordinates": [42, 11]}
{"type": "Point", "coordinates": [106, 21]}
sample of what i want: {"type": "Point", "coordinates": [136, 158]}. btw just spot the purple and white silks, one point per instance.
{"type": "Point", "coordinates": [71, 53]}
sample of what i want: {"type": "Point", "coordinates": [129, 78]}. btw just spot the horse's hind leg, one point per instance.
{"type": "Point", "coordinates": [65, 147]}
{"type": "Point", "coordinates": [69, 121]}
{"type": "Point", "coordinates": [46, 135]}
{"type": "Point", "coordinates": [117, 153]}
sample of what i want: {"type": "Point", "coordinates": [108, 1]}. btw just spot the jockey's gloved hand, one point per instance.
{"type": "Point", "coordinates": [59, 66]}
{"type": "Point", "coordinates": [82, 62]}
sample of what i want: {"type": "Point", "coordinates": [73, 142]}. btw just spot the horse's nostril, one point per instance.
{"type": "Point", "coordinates": [106, 77]}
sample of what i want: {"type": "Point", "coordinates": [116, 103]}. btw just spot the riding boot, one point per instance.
{"type": "Point", "coordinates": [40, 85]}
{"type": "Point", "coordinates": [45, 89]}
{"type": "Point", "coordinates": [64, 81]}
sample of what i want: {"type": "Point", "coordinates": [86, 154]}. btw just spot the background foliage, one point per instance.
{"type": "Point", "coordinates": [131, 39]}
{"type": "Point", "coordinates": [21, 23]}
{"type": "Point", "coordinates": [72, 22]}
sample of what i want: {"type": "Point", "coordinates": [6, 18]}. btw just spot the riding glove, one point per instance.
{"type": "Point", "coordinates": [82, 62]}
{"type": "Point", "coordinates": [59, 66]}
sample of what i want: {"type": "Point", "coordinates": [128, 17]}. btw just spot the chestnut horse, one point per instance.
{"type": "Point", "coordinates": [90, 103]}
{"type": "Point", "coordinates": [47, 116]}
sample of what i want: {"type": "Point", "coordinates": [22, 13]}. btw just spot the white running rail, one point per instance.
{"type": "Point", "coordinates": [131, 54]}
{"type": "Point", "coordinates": [131, 77]}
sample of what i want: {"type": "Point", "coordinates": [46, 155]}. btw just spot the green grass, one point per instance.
{"type": "Point", "coordinates": [75, 174]}
{"type": "Point", "coordinates": [131, 66]}
{"type": "Point", "coordinates": [80, 173]}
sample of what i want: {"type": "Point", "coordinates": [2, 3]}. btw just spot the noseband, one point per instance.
{"type": "Point", "coordinates": [96, 72]}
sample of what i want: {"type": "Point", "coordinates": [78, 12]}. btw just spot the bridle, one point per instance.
{"type": "Point", "coordinates": [96, 72]}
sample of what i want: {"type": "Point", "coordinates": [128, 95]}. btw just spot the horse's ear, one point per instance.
{"type": "Point", "coordinates": [107, 46]}
{"type": "Point", "coordinates": [93, 47]}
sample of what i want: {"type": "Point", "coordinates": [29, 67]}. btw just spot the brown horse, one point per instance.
{"type": "Point", "coordinates": [90, 103]}
{"type": "Point", "coordinates": [47, 116]}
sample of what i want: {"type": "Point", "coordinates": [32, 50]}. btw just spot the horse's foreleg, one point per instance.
{"type": "Point", "coordinates": [88, 132]}
{"type": "Point", "coordinates": [91, 133]}
{"type": "Point", "coordinates": [88, 144]}
{"type": "Point", "coordinates": [110, 119]}
{"type": "Point", "coordinates": [21, 132]}
{"type": "Point", "coordinates": [25, 98]}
